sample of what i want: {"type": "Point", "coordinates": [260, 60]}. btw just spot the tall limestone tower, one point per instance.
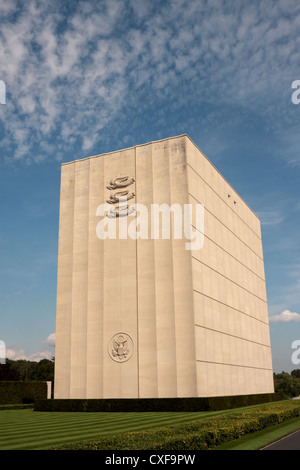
{"type": "Point", "coordinates": [140, 311]}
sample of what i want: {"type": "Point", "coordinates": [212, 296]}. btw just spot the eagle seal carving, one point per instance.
{"type": "Point", "coordinates": [120, 347]}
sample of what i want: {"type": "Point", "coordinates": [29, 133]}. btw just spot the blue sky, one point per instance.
{"type": "Point", "coordinates": [89, 77]}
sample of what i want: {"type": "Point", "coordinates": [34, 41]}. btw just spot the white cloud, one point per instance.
{"type": "Point", "coordinates": [16, 354]}
{"type": "Point", "coordinates": [284, 317]}
{"type": "Point", "coordinates": [70, 78]}
{"type": "Point", "coordinates": [51, 339]}
{"type": "Point", "coordinates": [270, 217]}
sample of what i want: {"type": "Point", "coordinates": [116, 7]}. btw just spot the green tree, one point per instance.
{"type": "Point", "coordinates": [43, 371]}
{"type": "Point", "coordinates": [26, 371]}
{"type": "Point", "coordinates": [8, 373]}
{"type": "Point", "coordinates": [287, 384]}
{"type": "Point", "coordinates": [296, 373]}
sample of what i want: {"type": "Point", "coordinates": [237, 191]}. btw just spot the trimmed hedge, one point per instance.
{"type": "Point", "coordinates": [156, 404]}
{"type": "Point", "coordinates": [22, 392]}
{"type": "Point", "coordinates": [201, 434]}
{"type": "Point", "coordinates": [18, 406]}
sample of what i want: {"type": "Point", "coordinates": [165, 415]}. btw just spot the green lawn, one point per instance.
{"type": "Point", "coordinates": [26, 429]}
{"type": "Point", "coordinates": [34, 430]}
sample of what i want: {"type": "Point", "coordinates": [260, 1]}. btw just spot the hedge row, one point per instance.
{"type": "Point", "coordinates": [156, 404]}
{"type": "Point", "coordinates": [200, 434]}
{"type": "Point", "coordinates": [22, 392]}
{"type": "Point", "coordinates": [18, 406]}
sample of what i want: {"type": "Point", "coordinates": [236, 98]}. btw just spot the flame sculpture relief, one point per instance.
{"type": "Point", "coordinates": [120, 198]}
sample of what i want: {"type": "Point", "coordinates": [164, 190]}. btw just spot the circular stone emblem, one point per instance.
{"type": "Point", "coordinates": [120, 347]}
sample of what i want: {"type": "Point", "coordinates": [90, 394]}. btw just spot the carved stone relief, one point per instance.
{"type": "Point", "coordinates": [120, 198]}
{"type": "Point", "coordinates": [116, 197]}
{"type": "Point", "coordinates": [120, 347]}
{"type": "Point", "coordinates": [121, 182]}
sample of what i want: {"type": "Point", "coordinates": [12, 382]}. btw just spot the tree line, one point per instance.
{"type": "Point", "coordinates": [27, 371]}
{"type": "Point", "coordinates": [288, 384]}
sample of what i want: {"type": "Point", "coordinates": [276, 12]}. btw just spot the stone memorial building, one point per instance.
{"type": "Point", "coordinates": [147, 307]}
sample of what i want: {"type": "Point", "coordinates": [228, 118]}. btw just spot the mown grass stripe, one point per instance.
{"type": "Point", "coordinates": [47, 442]}
{"type": "Point", "coordinates": [121, 422]}
{"type": "Point", "coordinates": [78, 426]}
{"type": "Point", "coordinates": [91, 425]}
{"type": "Point", "coordinates": [102, 418]}
{"type": "Point", "coordinates": [29, 429]}
{"type": "Point", "coordinates": [98, 420]}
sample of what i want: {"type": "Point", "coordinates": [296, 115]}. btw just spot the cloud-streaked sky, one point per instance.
{"type": "Point", "coordinates": [87, 77]}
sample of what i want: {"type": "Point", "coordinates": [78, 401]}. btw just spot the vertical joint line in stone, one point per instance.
{"type": "Point", "coordinates": [72, 302]}
{"type": "Point", "coordinates": [137, 284]}
{"type": "Point", "coordinates": [87, 290]}
{"type": "Point", "coordinates": [171, 192]}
